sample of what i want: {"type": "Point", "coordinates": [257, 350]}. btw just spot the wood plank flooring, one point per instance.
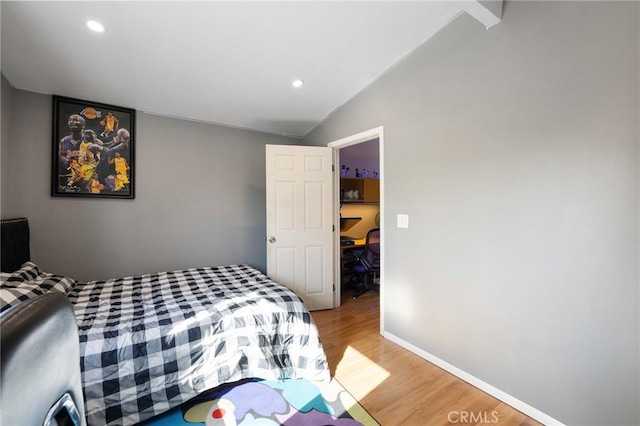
{"type": "Point", "coordinates": [394, 385]}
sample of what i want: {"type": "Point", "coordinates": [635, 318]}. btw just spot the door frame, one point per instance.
{"type": "Point", "coordinates": [367, 135]}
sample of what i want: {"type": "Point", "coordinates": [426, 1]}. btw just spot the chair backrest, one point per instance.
{"type": "Point", "coordinates": [371, 253]}
{"type": "Point", "coordinates": [40, 364]}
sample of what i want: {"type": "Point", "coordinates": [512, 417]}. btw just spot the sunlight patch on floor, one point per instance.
{"type": "Point", "coordinates": [359, 374]}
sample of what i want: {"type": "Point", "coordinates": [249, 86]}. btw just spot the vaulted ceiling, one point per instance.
{"type": "Point", "coordinates": [231, 63]}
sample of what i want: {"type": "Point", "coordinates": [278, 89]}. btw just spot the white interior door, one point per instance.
{"type": "Point", "coordinates": [300, 221]}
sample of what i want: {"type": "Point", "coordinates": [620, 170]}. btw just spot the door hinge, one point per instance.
{"type": "Point", "coordinates": [333, 168]}
{"type": "Point", "coordinates": [333, 228]}
{"type": "Point", "coordinates": [334, 288]}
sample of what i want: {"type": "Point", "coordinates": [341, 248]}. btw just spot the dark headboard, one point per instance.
{"type": "Point", "coordinates": [15, 243]}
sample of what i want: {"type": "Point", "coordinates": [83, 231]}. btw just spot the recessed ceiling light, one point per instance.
{"type": "Point", "coordinates": [297, 83]}
{"type": "Point", "coordinates": [95, 26]}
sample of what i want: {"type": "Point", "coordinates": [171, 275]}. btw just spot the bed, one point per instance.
{"type": "Point", "coordinates": [150, 342]}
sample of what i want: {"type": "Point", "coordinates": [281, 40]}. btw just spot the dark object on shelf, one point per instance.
{"type": "Point", "coordinates": [346, 240]}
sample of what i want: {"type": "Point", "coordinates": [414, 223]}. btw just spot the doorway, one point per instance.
{"type": "Point", "coordinates": [374, 211]}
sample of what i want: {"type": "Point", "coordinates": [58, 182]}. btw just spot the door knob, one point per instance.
{"type": "Point", "coordinates": [272, 239]}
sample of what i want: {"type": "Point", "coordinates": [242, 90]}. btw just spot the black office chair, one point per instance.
{"type": "Point", "coordinates": [40, 364]}
{"type": "Point", "coordinates": [365, 263]}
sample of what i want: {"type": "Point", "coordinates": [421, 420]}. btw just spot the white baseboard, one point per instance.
{"type": "Point", "coordinates": [482, 385]}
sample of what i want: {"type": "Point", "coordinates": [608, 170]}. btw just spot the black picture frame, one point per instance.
{"type": "Point", "coordinates": [93, 150]}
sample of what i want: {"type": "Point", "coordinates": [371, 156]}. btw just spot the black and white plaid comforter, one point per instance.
{"type": "Point", "coordinates": [151, 342]}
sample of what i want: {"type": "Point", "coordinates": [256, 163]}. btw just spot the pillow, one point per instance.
{"type": "Point", "coordinates": [29, 282]}
{"type": "Point", "coordinates": [52, 282]}
{"type": "Point", "coordinates": [27, 271]}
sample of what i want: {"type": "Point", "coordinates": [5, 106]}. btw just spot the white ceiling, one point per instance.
{"type": "Point", "coordinates": [230, 63]}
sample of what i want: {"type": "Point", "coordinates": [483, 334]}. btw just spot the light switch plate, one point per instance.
{"type": "Point", "coordinates": [403, 221]}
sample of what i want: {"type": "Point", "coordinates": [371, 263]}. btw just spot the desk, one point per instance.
{"type": "Point", "coordinates": [351, 242]}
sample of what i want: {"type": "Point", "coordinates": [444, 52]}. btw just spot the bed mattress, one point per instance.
{"type": "Point", "coordinates": [149, 343]}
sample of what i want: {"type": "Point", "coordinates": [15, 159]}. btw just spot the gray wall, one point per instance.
{"type": "Point", "coordinates": [200, 197]}
{"type": "Point", "coordinates": [6, 94]}
{"type": "Point", "coordinates": [515, 153]}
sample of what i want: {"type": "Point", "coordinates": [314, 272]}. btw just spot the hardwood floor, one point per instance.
{"type": "Point", "coordinates": [394, 385]}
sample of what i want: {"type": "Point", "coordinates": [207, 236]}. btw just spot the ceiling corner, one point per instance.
{"type": "Point", "coordinates": [487, 12]}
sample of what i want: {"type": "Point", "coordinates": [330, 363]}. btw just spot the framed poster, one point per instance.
{"type": "Point", "coordinates": [93, 150]}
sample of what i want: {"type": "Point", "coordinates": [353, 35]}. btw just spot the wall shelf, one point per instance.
{"type": "Point", "coordinates": [359, 190]}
